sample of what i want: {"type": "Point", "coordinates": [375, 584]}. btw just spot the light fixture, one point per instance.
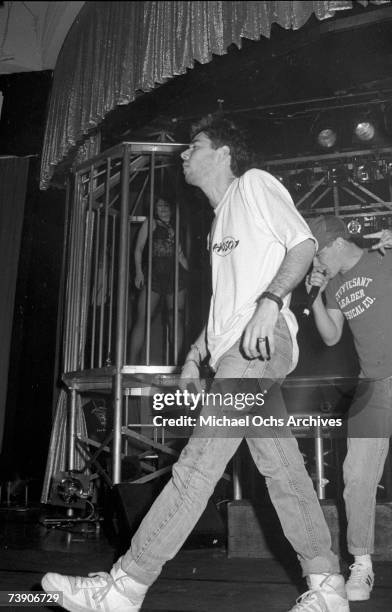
{"type": "Point", "coordinates": [72, 489]}
{"type": "Point", "coordinates": [354, 227]}
{"type": "Point", "coordinates": [69, 490]}
{"type": "Point", "coordinates": [325, 131]}
{"type": "Point", "coordinates": [365, 126]}
{"type": "Point", "coordinates": [363, 173]}
{"type": "Point", "coordinates": [370, 171]}
{"type": "Point", "coordinates": [364, 130]}
{"type": "Point", "coordinates": [327, 138]}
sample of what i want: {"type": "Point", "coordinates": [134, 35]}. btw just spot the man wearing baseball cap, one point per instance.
{"type": "Point", "coordinates": [358, 287]}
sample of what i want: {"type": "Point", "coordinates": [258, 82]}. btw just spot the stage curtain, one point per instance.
{"type": "Point", "coordinates": [115, 49]}
{"type": "Point", "coordinates": [13, 180]}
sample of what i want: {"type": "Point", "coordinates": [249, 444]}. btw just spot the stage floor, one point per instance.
{"type": "Point", "coordinates": [197, 580]}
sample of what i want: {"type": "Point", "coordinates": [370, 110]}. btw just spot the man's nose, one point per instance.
{"type": "Point", "coordinates": [185, 154]}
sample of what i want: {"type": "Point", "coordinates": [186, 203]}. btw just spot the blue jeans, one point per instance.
{"type": "Point", "coordinates": [202, 463]}
{"type": "Point", "coordinates": [370, 415]}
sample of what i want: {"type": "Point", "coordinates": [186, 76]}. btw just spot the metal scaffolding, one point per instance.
{"type": "Point", "coordinates": [108, 193]}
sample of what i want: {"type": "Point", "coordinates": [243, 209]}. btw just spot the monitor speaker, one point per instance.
{"type": "Point", "coordinates": [132, 501]}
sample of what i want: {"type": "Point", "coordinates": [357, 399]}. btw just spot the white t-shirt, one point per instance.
{"type": "Point", "coordinates": [255, 224]}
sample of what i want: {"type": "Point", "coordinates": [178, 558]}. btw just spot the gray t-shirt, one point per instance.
{"type": "Point", "coordinates": [364, 295]}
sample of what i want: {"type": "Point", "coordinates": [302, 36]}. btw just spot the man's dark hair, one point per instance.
{"type": "Point", "coordinates": [222, 132]}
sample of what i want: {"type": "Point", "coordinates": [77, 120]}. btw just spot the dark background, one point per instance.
{"type": "Point", "coordinates": [32, 356]}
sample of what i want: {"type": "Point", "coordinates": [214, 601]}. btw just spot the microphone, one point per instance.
{"type": "Point", "coordinates": [313, 293]}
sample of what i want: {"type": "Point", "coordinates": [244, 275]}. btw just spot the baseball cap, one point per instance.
{"type": "Point", "coordinates": [326, 228]}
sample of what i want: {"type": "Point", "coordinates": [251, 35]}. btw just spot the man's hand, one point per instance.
{"type": "Point", "coordinates": [318, 277]}
{"type": "Point", "coordinates": [190, 373]}
{"type": "Point", "coordinates": [385, 240]}
{"type": "Point", "coordinates": [258, 338]}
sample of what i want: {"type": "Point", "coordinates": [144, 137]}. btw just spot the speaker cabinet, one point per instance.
{"type": "Point", "coordinates": [132, 501]}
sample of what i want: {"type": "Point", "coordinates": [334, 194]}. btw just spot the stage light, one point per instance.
{"type": "Point", "coordinates": [367, 126]}
{"type": "Point", "coordinates": [354, 227]}
{"type": "Point", "coordinates": [327, 138]}
{"type": "Point", "coordinates": [363, 173]}
{"type": "Point", "coordinates": [364, 130]}
{"type": "Point", "coordinates": [370, 171]}
{"type": "Point", "coordinates": [72, 489]}
{"type": "Point", "coordinates": [325, 130]}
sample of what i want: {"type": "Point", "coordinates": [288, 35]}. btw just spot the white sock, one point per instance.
{"type": "Point", "coordinates": [314, 580]}
{"type": "Point", "coordinates": [363, 560]}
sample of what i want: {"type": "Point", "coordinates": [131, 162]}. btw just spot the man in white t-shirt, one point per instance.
{"type": "Point", "coordinates": [260, 249]}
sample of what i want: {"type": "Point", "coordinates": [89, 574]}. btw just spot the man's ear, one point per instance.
{"type": "Point", "coordinates": [225, 151]}
{"type": "Point", "coordinates": [340, 242]}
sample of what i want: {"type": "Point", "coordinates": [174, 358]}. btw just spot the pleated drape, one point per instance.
{"type": "Point", "coordinates": [115, 49]}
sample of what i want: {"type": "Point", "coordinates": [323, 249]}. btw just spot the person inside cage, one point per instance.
{"type": "Point", "coordinates": [162, 278]}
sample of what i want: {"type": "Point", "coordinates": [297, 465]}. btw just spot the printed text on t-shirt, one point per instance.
{"type": "Point", "coordinates": [344, 298]}
{"type": "Point", "coordinates": [226, 246]}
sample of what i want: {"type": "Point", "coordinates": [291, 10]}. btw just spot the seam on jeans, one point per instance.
{"type": "Point", "coordinates": [303, 507]}
{"type": "Point", "coordinates": [370, 526]}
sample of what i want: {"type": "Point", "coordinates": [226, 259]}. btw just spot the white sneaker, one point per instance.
{"type": "Point", "coordinates": [330, 596]}
{"type": "Point", "coordinates": [114, 592]}
{"type": "Point", "coordinates": [360, 583]}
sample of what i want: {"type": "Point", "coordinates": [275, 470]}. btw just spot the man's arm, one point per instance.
{"type": "Point", "coordinates": [292, 270]}
{"type": "Point", "coordinates": [329, 321]}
